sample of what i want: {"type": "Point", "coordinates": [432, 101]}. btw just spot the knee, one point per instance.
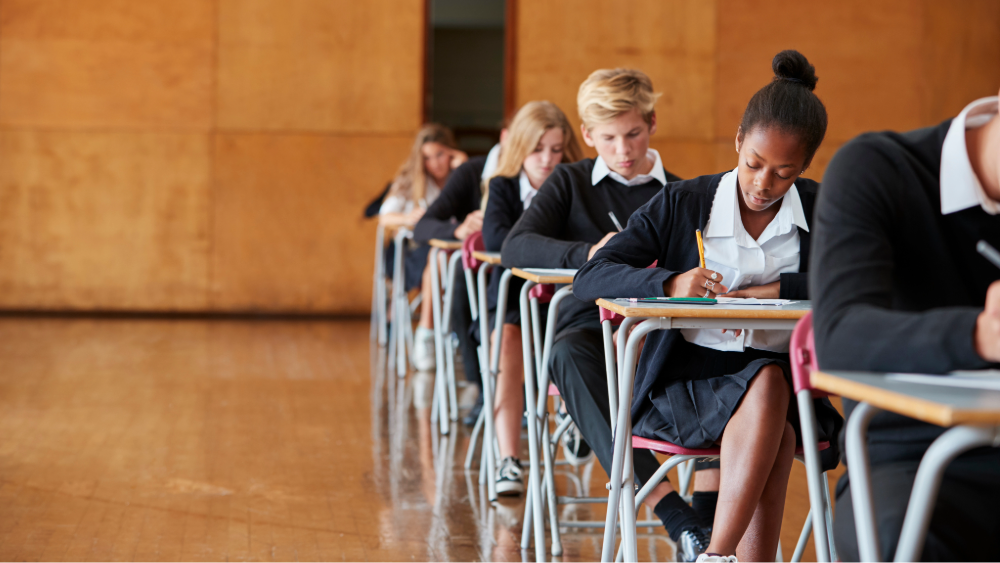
{"type": "Point", "coordinates": [771, 383]}
{"type": "Point", "coordinates": [511, 337]}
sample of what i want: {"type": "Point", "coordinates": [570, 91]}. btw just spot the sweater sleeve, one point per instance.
{"type": "Point", "coordinates": [534, 240]}
{"type": "Point", "coordinates": [852, 282]}
{"type": "Point", "coordinates": [621, 267]}
{"type": "Point", "coordinates": [794, 285]}
{"type": "Point", "coordinates": [500, 214]}
{"type": "Point", "coordinates": [454, 201]}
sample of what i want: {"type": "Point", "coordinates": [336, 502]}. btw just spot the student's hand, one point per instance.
{"type": "Point", "coordinates": [694, 283]}
{"type": "Point", "coordinates": [458, 158]}
{"type": "Point", "coordinates": [599, 245]}
{"type": "Point", "coordinates": [473, 223]}
{"type": "Point", "coordinates": [987, 335]}
{"type": "Point", "coordinates": [413, 216]}
{"type": "Point", "coordinates": [767, 291]}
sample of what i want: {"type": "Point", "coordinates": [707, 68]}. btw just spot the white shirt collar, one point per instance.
{"type": "Point", "coordinates": [657, 173]}
{"type": "Point", "coordinates": [960, 188]}
{"type": "Point", "coordinates": [492, 159]}
{"type": "Point", "coordinates": [725, 215]}
{"type": "Point", "coordinates": [527, 192]}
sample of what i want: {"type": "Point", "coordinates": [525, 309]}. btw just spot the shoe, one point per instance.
{"type": "Point", "coordinates": [509, 481]}
{"type": "Point", "coordinates": [693, 544]}
{"type": "Point", "coordinates": [473, 416]}
{"type": "Point", "coordinates": [713, 557]}
{"type": "Point", "coordinates": [423, 349]}
{"type": "Point", "coordinates": [576, 451]}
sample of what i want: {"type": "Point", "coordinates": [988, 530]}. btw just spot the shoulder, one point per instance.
{"type": "Point", "coordinates": [472, 167]}
{"type": "Point", "coordinates": [569, 176]}
{"type": "Point", "coordinates": [700, 187]}
{"type": "Point", "coordinates": [888, 151]}
{"type": "Point", "coordinates": [504, 185]}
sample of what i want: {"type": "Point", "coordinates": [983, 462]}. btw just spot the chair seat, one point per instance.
{"type": "Point", "coordinates": [663, 447]}
{"type": "Point", "coordinates": [553, 390]}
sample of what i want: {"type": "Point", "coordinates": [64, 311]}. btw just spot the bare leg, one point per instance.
{"type": "Point", "coordinates": [760, 542]}
{"type": "Point", "coordinates": [707, 480]}
{"type": "Point", "coordinates": [751, 443]}
{"type": "Point", "coordinates": [509, 403]}
{"type": "Point", "coordinates": [426, 313]}
{"type": "Point", "coordinates": [657, 494]}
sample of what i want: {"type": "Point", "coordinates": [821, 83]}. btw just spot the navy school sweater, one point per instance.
{"type": "Point", "coordinates": [460, 196]}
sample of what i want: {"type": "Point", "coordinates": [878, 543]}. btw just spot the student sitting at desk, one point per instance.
{"type": "Point", "coordinates": [567, 222]}
{"type": "Point", "coordinates": [539, 137]}
{"type": "Point", "coordinates": [697, 388]}
{"type": "Point", "coordinates": [431, 161]}
{"type": "Point", "coordinates": [899, 287]}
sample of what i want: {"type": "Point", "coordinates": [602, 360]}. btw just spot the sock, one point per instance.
{"type": "Point", "coordinates": [703, 504]}
{"type": "Point", "coordinates": [676, 515]}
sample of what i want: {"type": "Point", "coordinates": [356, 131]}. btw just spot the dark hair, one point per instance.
{"type": "Point", "coordinates": [788, 103]}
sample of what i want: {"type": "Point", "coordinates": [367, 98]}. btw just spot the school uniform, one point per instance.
{"type": "Point", "coordinates": [461, 195]}
{"type": "Point", "coordinates": [568, 216]}
{"type": "Point", "coordinates": [690, 382]}
{"type": "Point", "coordinates": [898, 286]}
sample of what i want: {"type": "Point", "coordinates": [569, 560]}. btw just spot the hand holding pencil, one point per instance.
{"type": "Point", "coordinates": [698, 282]}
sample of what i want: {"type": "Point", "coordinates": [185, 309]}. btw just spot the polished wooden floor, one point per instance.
{"type": "Point", "coordinates": [128, 439]}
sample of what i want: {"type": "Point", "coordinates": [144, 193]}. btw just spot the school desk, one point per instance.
{"type": "Point", "coordinates": [446, 395]}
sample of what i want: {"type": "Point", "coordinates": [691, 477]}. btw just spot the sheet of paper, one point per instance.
{"type": "Point", "coordinates": [552, 271]}
{"type": "Point", "coordinates": [987, 379]}
{"type": "Point", "coordinates": [752, 301]}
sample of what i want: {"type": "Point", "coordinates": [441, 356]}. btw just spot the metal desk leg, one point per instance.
{"type": "Point", "coordinates": [449, 350]}
{"type": "Point", "coordinates": [945, 448]}
{"type": "Point", "coordinates": [489, 433]}
{"type": "Point", "coordinates": [439, 380]}
{"type": "Point", "coordinates": [534, 477]}
{"type": "Point", "coordinates": [611, 369]}
{"type": "Point", "coordinates": [814, 473]}
{"type": "Point", "coordinates": [861, 480]}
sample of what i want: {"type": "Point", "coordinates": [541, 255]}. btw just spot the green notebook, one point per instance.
{"type": "Point", "coordinates": [688, 300]}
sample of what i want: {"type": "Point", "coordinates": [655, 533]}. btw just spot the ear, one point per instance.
{"type": "Point", "coordinates": [739, 139]}
{"type": "Point", "coordinates": [652, 123]}
{"type": "Point", "coordinates": [586, 135]}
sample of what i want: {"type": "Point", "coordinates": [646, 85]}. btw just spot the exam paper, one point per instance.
{"type": "Point", "coordinates": [551, 271]}
{"type": "Point", "coordinates": [985, 379]}
{"type": "Point", "coordinates": [752, 301]}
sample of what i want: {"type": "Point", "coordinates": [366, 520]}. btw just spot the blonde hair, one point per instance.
{"type": "Point", "coordinates": [411, 179]}
{"type": "Point", "coordinates": [609, 93]}
{"type": "Point", "coordinates": [533, 120]}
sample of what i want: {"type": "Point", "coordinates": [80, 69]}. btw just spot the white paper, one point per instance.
{"type": "Point", "coordinates": [752, 301]}
{"type": "Point", "coordinates": [987, 379]}
{"type": "Point", "coordinates": [551, 271]}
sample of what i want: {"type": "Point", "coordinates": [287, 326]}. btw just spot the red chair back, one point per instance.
{"type": "Point", "coordinates": [472, 243]}
{"type": "Point", "coordinates": [542, 292]}
{"type": "Point", "coordinates": [802, 352]}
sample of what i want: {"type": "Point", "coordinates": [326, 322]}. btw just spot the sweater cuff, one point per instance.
{"type": "Point", "coordinates": [794, 286]}
{"type": "Point", "coordinates": [962, 342]}
{"type": "Point", "coordinates": [661, 278]}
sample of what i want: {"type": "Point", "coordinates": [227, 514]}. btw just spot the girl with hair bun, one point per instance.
{"type": "Point", "coordinates": [701, 388]}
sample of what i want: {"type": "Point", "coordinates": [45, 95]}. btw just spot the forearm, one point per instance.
{"type": "Point", "coordinates": [524, 249]}
{"type": "Point", "coordinates": [431, 227]}
{"type": "Point", "coordinates": [602, 277]}
{"type": "Point", "coordinates": [794, 286]}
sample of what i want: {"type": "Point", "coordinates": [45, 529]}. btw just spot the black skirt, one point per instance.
{"type": "Point", "coordinates": [706, 387]}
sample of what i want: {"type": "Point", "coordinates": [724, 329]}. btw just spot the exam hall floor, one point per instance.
{"type": "Point", "coordinates": [181, 439]}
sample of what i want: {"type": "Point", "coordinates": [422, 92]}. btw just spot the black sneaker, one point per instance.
{"type": "Point", "coordinates": [471, 418]}
{"type": "Point", "coordinates": [576, 451]}
{"type": "Point", "coordinates": [509, 481]}
{"type": "Point", "coordinates": [692, 543]}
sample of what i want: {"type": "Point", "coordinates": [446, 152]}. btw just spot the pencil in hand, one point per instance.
{"type": "Point", "coordinates": [701, 248]}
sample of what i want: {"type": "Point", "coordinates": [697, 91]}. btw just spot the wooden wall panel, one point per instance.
{"type": "Point", "coordinates": [106, 63]}
{"type": "Point", "coordinates": [560, 42]}
{"type": "Point", "coordinates": [288, 228]}
{"type": "Point", "coordinates": [110, 221]}
{"type": "Point", "coordinates": [320, 65]}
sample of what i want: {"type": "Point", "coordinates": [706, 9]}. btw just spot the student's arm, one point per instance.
{"type": "Point", "coordinates": [852, 277]}
{"type": "Point", "coordinates": [534, 240]}
{"type": "Point", "coordinates": [620, 268]}
{"type": "Point", "coordinates": [500, 214]}
{"type": "Point", "coordinates": [454, 201]}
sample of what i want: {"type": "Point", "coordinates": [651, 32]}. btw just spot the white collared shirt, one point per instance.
{"type": "Point", "coordinates": [657, 173]}
{"type": "Point", "coordinates": [960, 188]}
{"type": "Point", "coordinates": [527, 192]}
{"type": "Point", "coordinates": [400, 204]}
{"type": "Point", "coordinates": [744, 262]}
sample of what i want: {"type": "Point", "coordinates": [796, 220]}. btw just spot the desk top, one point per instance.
{"type": "Point", "coordinates": [488, 257]}
{"type": "Point", "coordinates": [445, 244]}
{"type": "Point", "coordinates": [936, 404]}
{"type": "Point", "coordinates": [545, 275]}
{"type": "Point", "coordinates": [626, 308]}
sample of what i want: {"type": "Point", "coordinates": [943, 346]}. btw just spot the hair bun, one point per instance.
{"type": "Point", "coordinates": [792, 66]}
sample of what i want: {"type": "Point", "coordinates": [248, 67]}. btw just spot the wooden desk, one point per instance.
{"type": "Point", "coordinates": [445, 244]}
{"type": "Point", "coordinates": [545, 275]}
{"type": "Point", "coordinates": [492, 258]}
{"type": "Point", "coordinates": [972, 414]}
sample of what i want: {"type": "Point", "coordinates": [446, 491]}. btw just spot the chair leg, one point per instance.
{"type": "Point", "coordinates": [814, 479]}
{"type": "Point", "coordinates": [443, 418]}
{"type": "Point", "coordinates": [486, 375]}
{"type": "Point", "coordinates": [828, 508]}
{"type": "Point", "coordinates": [449, 294]}
{"type": "Point", "coordinates": [550, 487]}
{"type": "Point", "coordinates": [473, 440]}
{"type": "Point", "coordinates": [534, 477]}
{"type": "Point", "coordinates": [800, 547]}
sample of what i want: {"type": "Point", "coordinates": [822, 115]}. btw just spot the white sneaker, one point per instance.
{"type": "Point", "coordinates": [509, 480]}
{"type": "Point", "coordinates": [423, 349]}
{"type": "Point", "coordinates": [712, 558]}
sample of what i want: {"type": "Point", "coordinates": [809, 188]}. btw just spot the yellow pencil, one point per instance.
{"type": "Point", "coordinates": [701, 248]}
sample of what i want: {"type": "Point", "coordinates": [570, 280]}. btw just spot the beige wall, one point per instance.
{"type": "Point", "coordinates": [885, 64]}
{"type": "Point", "coordinates": [214, 155]}
{"type": "Point", "coordinates": [190, 155]}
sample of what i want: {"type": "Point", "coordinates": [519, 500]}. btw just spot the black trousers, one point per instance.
{"type": "Point", "coordinates": [577, 369]}
{"type": "Point", "coordinates": [965, 522]}
{"type": "Point", "coordinates": [461, 320]}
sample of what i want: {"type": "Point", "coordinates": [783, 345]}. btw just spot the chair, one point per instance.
{"type": "Point", "coordinates": [623, 499]}
{"type": "Point", "coordinates": [379, 321]}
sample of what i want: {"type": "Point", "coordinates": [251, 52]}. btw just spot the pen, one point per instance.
{"type": "Point", "coordinates": [615, 221]}
{"type": "Point", "coordinates": [990, 253]}
{"type": "Point", "coordinates": [701, 248]}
